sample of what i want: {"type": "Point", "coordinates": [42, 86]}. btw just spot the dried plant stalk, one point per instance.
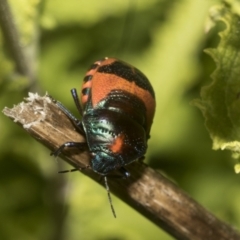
{"type": "Point", "coordinates": [146, 190]}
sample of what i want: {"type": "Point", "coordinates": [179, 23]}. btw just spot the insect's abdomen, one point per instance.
{"type": "Point", "coordinates": [112, 79]}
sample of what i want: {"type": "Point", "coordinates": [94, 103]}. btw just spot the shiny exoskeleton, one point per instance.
{"type": "Point", "coordinates": [117, 107]}
{"type": "Point", "coordinates": [117, 112]}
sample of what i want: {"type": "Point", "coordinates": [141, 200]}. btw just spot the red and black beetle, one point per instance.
{"type": "Point", "coordinates": [117, 108]}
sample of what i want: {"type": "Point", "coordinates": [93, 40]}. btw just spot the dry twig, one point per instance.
{"type": "Point", "coordinates": [146, 190]}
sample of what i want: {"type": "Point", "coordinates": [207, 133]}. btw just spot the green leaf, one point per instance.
{"type": "Point", "coordinates": [220, 100]}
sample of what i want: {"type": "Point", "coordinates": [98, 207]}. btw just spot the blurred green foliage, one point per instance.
{"type": "Point", "coordinates": [220, 99]}
{"type": "Point", "coordinates": [165, 39]}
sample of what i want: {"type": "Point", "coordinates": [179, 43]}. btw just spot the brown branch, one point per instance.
{"type": "Point", "coordinates": [146, 190]}
{"type": "Point", "coordinates": [11, 36]}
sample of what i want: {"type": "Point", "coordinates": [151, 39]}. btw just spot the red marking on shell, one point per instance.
{"type": "Point", "coordinates": [116, 147]}
{"type": "Point", "coordinates": [88, 84]}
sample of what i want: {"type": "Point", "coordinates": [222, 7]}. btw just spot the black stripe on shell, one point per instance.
{"type": "Point", "coordinates": [87, 78]}
{"type": "Point", "coordinates": [129, 73]}
{"type": "Point", "coordinates": [86, 91]}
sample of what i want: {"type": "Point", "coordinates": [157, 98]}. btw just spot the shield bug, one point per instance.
{"type": "Point", "coordinates": [117, 108]}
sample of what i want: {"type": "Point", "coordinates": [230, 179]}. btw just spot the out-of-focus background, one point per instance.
{"type": "Point", "coordinates": [165, 40]}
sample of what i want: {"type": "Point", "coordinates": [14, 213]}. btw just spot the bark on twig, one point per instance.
{"type": "Point", "coordinates": [24, 62]}
{"type": "Point", "coordinates": [146, 190]}
{"type": "Point", "coordinates": [12, 37]}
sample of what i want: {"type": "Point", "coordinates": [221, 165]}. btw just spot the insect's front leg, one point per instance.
{"type": "Point", "coordinates": [79, 145]}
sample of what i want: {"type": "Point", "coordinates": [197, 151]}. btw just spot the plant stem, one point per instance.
{"type": "Point", "coordinates": [146, 190]}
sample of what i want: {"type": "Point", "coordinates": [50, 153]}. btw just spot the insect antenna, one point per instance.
{"type": "Point", "coordinates": [109, 196]}
{"type": "Point", "coordinates": [106, 186]}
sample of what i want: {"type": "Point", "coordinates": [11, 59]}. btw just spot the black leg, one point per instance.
{"type": "Point", "coordinates": [74, 169]}
{"type": "Point", "coordinates": [121, 173]}
{"type": "Point", "coordinates": [124, 172]}
{"type": "Point", "coordinates": [77, 122]}
{"type": "Point", "coordinates": [76, 100]}
{"type": "Point", "coordinates": [80, 145]}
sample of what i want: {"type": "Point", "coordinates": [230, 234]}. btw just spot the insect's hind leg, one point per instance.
{"type": "Point", "coordinates": [77, 122]}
